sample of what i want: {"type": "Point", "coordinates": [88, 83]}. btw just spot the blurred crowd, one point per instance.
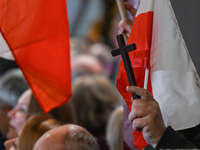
{"type": "Point", "coordinates": [92, 119]}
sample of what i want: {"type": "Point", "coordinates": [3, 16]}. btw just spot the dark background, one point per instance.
{"type": "Point", "coordinates": [188, 16]}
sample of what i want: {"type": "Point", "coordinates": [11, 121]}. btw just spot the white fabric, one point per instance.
{"type": "Point", "coordinates": [174, 78]}
{"type": "Point", "coordinates": [4, 49]}
{"type": "Point", "coordinates": [145, 6]}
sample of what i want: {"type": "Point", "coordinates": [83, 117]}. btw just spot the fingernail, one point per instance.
{"type": "Point", "coordinates": [127, 88]}
{"type": "Point", "coordinates": [121, 30]}
{"type": "Point", "coordinates": [131, 99]}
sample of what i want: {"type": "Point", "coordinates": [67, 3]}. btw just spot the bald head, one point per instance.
{"type": "Point", "coordinates": [67, 137]}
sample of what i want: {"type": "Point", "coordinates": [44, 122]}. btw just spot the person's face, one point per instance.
{"type": "Point", "coordinates": [17, 115]}
{"type": "Point", "coordinates": [11, 144]}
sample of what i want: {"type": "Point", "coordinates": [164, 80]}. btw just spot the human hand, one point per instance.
{"type": "Point", "coordinates": [125, 26]}
{"type": "Point", "coordinates": [11, 144]}
{"type": "Point", "coordinates": [146, 116]}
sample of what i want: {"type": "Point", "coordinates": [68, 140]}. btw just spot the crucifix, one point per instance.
{"type": "Point", "coordinates": [123, 51]}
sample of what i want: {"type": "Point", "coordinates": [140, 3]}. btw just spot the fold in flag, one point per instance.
{"type": "Point", "coordinates": [173, 77]}
{"type": "Point", "coordinates": [37, 34]}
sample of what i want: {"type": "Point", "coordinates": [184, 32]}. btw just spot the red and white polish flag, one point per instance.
{"type": "Point", "coordinates": [173, 79]}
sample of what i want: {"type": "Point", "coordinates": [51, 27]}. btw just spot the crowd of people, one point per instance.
{"type": "Point", "coordinates": [93, 117]}
{"type": "Point", "coordinates": [79, 124]}
{"type": "Point", "coordinates": [82, 122]}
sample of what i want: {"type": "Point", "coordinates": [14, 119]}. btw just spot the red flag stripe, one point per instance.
{"type": "Point", "coordinates": [37, 33]}
{"type": "Point", "coordinates": [141, 35]}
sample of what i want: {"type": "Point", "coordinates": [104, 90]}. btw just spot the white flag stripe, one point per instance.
{"type": "Point", "coordinates": [174, 79]}
{"type": "Point", "coordinates": [4, 49]}
{"type": "Point", "coordinates": [145, 6]}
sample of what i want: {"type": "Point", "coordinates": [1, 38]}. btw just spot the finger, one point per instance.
{"type": "Point", "coordinates": [143, 93]}
{"type": "Point", "coordinates": [125, 26]}
{"type": "Point", "coordinates": [139, 123]}
{"type": "Point", "coordinates": [125, 37]}
{"type": "Point", "coordinates": [137, 90]}
{"type": "Point", "coordinates": [138, 103]}
{"type": "Point", "coordinates": [121, 27]}
{"type": "Point", "coordinates": [9, 143]}
{"type": "Point", "coordinates": [138, 113]}
{"type": "Point", "coordinates": [131, 9]}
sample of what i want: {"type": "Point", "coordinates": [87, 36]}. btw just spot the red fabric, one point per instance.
{"type": "Point", "coordinates": [141, 35]}
{"type": "Point", "coordinates": [37, 33]}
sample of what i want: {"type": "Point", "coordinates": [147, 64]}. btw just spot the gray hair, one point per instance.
{"type": "Point", "coordinates": [12, 85]}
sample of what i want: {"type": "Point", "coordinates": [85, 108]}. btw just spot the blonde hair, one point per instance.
{"type": "Point", "coordinates": [33, 129]}
{"type": "Point", "coordinates": [114, 131]}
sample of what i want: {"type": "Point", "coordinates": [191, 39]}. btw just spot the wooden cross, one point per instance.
{"type": "Point", "coordinates": [123, 51]}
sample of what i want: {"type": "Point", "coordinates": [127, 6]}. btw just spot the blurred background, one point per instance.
{"type": "Point", "coordinates": [93, 27]}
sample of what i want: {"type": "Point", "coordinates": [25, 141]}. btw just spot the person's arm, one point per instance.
{"type": "Point", "coordinates": [146, 116]}
{"type": "Point", "coordinates": [125, 26]}
{"type": "Point", "coordinates": [173, 140]}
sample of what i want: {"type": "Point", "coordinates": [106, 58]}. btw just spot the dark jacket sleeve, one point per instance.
{"type": "Point", "coordinates": [173, 140]}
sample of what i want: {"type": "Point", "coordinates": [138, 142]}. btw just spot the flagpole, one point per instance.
{"type": "Point", "coordinates": [146, 78]}
{"type": "Point", "coordinates": [122, 11]}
